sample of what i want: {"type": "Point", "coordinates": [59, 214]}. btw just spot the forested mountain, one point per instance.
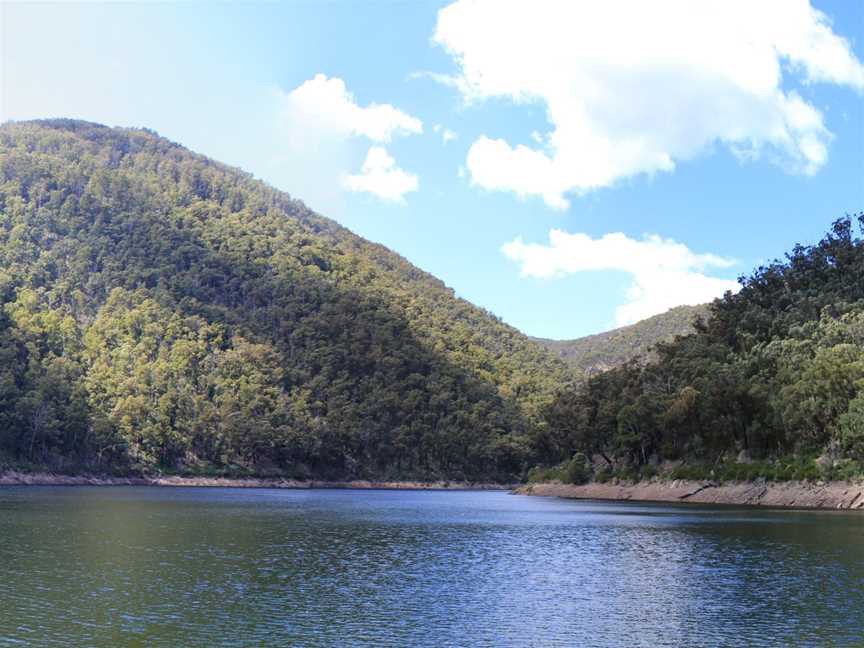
{"type": "Point", "coordinates": [159, 310]}
{"type": "Point", "coordinates": [595, 353]}
{"type": "Point", "coordinates": [775, 373]}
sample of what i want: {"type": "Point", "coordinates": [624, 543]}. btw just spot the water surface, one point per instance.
{"type": "Point", "coordinates": [88, 566]}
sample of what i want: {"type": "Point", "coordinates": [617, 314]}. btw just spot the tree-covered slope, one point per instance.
{"type": "Point", "coordinates": [595, 353]}
{"type": "Point", "coordinates": [774, 373]}
{"type": "Point", "coordinates": [162, 309]}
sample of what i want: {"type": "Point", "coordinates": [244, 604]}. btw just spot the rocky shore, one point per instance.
{"type": "Point", "coordinates": [13, 478]}
{"type": "Point", "coordinates": [823, 495]}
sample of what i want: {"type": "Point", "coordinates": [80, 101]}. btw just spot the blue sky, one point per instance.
{"type": "Point", "coordinates": [602, 164]}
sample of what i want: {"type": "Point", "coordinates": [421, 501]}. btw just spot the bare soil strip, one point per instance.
{"type": "Point", "coordinates": [13, 478]}
{"type": "Point", "coordinates": [823, 495]}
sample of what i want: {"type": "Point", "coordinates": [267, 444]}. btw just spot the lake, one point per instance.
{"type": "Point", "coordinates": [90, 566]}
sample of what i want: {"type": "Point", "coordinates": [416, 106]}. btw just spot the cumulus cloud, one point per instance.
{"type": "Point", "coordinates": [319, 119]}
{"type": "Point", "coordinates": [664, 273]}
{"type": "Point", "coordinates": [637, 87]}
{"type": "Point", "coordinates": [322, 106]}
{"type": "Point", "coordinates": [446, 134]}
{"type": "Point", "coordinates": [381, 177]}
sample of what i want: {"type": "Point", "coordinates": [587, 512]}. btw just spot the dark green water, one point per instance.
{"type": "Point", "coordinates": [214, 567]}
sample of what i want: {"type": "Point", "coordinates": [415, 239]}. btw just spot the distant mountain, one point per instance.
{"type": "Point", "coordinates": [159, 310]}
{"type": "Point", "coordinates": [769, 386]}
{"type": "Point", "coordinates": [596, 353]}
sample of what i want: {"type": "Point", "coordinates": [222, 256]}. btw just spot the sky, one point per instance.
{"type": "Point", "coordinates": [571, 167]}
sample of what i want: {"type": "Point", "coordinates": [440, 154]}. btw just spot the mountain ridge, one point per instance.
{"type": "Point", "coordinates": [599, 352]}
{"type": "Point", "coordinates": [769, 386]}
{"type": "Point", "coordinates": [164, 310]}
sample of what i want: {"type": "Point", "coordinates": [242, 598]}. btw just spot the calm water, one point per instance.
{"type": "Point", "coordinates": [213, 567]}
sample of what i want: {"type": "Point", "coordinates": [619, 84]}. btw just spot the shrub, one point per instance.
{"type": "Point", "coordinates": [539, 474]}
{"type": "Point", "coordinates": [602, 475]}
{"type": "Point", "coordinates": [647, 472]}
{"type": "Point", "coordinates": [849, 470]}
{"type": "Point", "coordinates": [692, 472]}
{"type": "Point", "coordinates": [851, 433]}
{"type": "Point", "coordinates": [576, 470]}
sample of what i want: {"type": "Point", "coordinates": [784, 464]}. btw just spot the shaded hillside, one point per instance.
{"type": "Point", "coordinates": [775, 373]}
{"type": "Point", "coordinates": [160, 309]}
{"type": "Point", "coordinates": [596, 353]}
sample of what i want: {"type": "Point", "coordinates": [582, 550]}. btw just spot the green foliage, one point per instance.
{"type": "Point", "coordinates": [851, 428]}
{"type": "Point", "coordinates": [161, 311]}
{"type": "Point", "coordinates": [596, 353]}
{"type": "Point", "coordinates": [789, 468]}
{"type": "Point", "coordinates": [775, 371]}
{"type": "Point", "coordinates": [541, 474]}
{"type": "Point", "coordinates": [603, 475]}
{"type": "Point", "coordinates": [575, 471]}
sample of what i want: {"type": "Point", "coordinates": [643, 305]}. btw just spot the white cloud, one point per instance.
{"type": "Point", "coordinates": [665, 273]}
{"type": "Point", "coordinates": [380, 176]}
{"type": "Point", "coordinates": [324, 107]}
{"type": "Point", "coordinates": [319, 118]}
{"type": "Point", "coordinates": [636, 87]}
{"type": "Point", "coordinates": [446, 134]}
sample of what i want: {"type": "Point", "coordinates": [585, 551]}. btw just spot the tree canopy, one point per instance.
{"type": "Point", "coordinates": [159, 310]}
{"type": "Point", "coordinates": [162, 311]}
{"type": "Point", "coordinates": [603, 351]}
{"type": "Point", "coordinates": [773, 371]}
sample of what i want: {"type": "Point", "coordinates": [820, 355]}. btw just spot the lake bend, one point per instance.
{"type": "Point", "coordinates": [144, 566]}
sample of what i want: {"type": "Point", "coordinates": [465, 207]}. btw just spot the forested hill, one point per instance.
{"type": "Point", "coordinates": [595, 353]}
{"type": "Point", "coordinates": [774, 375]}
{"type": "Point", "coordinates": [164, 311]}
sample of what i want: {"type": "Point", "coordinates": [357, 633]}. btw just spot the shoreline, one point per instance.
{"type": "Point", "coordinates": [15, 478]}
{"type": "Point", "coordinates": [793, 494]}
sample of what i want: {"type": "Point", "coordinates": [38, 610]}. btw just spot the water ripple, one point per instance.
{"type": "Point", "coordinates": [196, 567]}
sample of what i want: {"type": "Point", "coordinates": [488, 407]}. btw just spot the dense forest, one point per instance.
{"type": "Point", "coordinates": [161, 311]}
{"type": "Point", "coordinates": [771, 383]}
{"type": "Point", "coordinates": [597, 353]}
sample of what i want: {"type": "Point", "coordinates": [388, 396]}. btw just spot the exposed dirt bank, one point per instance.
{"type": "Point", "coordinates": [830, 495]}
{"type": "Point", "coordinates": [13, 478]}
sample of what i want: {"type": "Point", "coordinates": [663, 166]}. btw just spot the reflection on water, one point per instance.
{"type": "Point", "coordinates": [214, 567]}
